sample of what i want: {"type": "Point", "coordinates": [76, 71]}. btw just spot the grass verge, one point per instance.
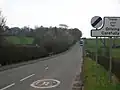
{"type": "Point", "coordinates": [96, 77]}
{"type": "Point", "coordinates": [91, 44]}
{"type": "Point", "coordinates": [19, 39]}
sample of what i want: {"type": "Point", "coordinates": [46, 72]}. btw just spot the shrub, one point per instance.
{"type": "Point", "coordinates": [16, 54]}
{"type": "Point", "coordinates": [49, 40]}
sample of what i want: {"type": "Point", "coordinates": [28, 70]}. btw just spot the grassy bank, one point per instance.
{"type": "Point", "coordinates": [91, 44]}
{"type": "Point", "coordinates": [96, 77]}
{"type": "Point", "coordinates": [19, 39]}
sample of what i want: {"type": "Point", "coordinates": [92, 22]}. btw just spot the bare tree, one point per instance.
{"type": "Point", "coordinates": [2, 28]}
{"type": "Point", "coordinates": [2, 22]}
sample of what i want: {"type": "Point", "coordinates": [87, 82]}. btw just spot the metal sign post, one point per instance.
{"type": "Point", "coordinates": [110, 62]}
{"type": "Point", "coordinates": [96, 50]}
{"type": "Point", "coordinates": [96, 22]}
{"type": "Point", "coordinates": [110, 28]}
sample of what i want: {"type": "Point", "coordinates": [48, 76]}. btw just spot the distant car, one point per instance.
{"type": "Point", "coordinates": [81, 42]}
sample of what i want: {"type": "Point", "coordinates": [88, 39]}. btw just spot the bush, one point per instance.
{"type": "Point", "coordinates": [48, 40]}
{"type": "Point", "coordinates": [104, 61]}
{"type": "Point", "coordinates": [16, 54]}
{"type": "Point", "coordinates": [107, 53]}
{"type": "Point", "coordinates": [12, 54]}
{"type": "Point", "coordinates": [99, 51]}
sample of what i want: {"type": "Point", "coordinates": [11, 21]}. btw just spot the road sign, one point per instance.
{"type": "Point", "coordinates": [111, 28]}
{"type": "Point", "coordinates": [96, 22]}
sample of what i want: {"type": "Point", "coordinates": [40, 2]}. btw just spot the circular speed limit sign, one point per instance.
{"type": "Point", "coordinates": [96, 22]}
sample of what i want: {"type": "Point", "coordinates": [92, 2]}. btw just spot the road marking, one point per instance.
{"type": "Point", "coordinates": [46, 68]}
{"type": "Point", "coordinates": [45, 82]}
{"type": "Point", "coordinates": [8, 86]}
{"type": "Point", "coordinates": [27, 77]}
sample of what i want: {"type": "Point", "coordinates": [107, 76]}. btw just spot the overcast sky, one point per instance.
{"type": "Point", "coordinates": [74, 13]}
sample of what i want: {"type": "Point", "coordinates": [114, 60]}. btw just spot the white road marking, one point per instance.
{"type": "Point", "coordinates": [45, 83]}
{"type": "Point", "coordinates": [27, 77]}
{"type": "Point", "coordinates": [8, 86]}
{"type": "Point", "coordinates": [80, 69]}
{"type": "Point", "coordinates": [46, 68]}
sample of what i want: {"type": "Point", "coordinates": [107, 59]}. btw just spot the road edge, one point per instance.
{"type": "Point", "coordinates": [79, 78]}
{"type": "Point", "coordinates": [35, 61]}
{"type": "Point", "coordinates": [82, 73]}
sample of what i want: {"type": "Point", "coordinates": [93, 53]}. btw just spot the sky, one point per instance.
{"type": "Point", "coordinates": [74, 13]}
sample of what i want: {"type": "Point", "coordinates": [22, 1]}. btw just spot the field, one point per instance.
{"type": "Point", "coordinates": [96, 77]}
{"type": "Point", "coordinates": [19, 39]}
{"type": "Point", "coordinates": [91, 45]}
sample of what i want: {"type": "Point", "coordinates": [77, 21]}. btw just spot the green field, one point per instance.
{"type": "Point", "coordinates": [19, 39]}
{"type": "Point", "coordinates": [91, 45]}
{"type": "Point", "coordinates": [96, 77]}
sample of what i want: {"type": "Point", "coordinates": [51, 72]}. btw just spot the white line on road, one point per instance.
{"type": "Point", "coordinates": [27, 77]}
{"type": "Point", "coordinates": [8, 86]}
{"type": "Point", "coordinates": [44, 83]}
{"type": "Point", "coordinates": [47, 83]}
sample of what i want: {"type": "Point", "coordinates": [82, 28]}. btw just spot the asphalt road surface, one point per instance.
{"type": "Point", "coordinates": [62, 68]}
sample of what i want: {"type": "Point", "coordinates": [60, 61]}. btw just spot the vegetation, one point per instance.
{"type": "Point", "coordinates": [103, 55]}
{"type": "Point", "coordinates": [19, 40]}
{"type": "Point", "coordinates": [24, 44]}
{"type": "Point", "coordinates": [91, 45]}
{"type": "Point", "coordinates": [2, 25]}
{"type": "Point", "coordinates": [116, 52]}
{"type": "Point", "coordinates": [96, 77]}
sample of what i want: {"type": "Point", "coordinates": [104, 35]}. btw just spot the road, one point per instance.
{"type": "Point", "coordinates": [62, 68]}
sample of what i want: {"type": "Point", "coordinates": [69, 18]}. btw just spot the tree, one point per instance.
{"type": "Point", "coordinates": [2, 22]}
{"type": "Point", "coordinates": [7, 28]}
{"type": "Point", "coordinates": [15, 31]}
{"type": "Point", "coordinates": [77, 33]}
{"type": "Point", "coordinates": [2, 28]}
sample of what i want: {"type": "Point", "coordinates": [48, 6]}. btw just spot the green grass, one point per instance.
{"type": "Point", "coordinates": [96, 77]}
{"type": "Point", "coordinates": [91, 45]}
{"type": "Point", "coordinates": [19, 40]}
{"type": "Point", "coordinates": [116, 52]}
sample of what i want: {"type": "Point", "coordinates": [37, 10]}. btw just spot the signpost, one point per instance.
{"type": "Point", "coordinates": [96, 22]}
{"type": "Point", "coordinates": [110, 62]}
{"type": "Point", "coordinates": [110, 28]}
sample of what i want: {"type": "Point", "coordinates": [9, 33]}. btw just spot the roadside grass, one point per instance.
{"type": "Point", "coordinates": [91, 45]}
{"type": "Point", "coordinates": [19, 39]}
{"type": "Point", "coordinates": [116, 52]}
{"type": "Point", "coordinates": [96, 77]}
